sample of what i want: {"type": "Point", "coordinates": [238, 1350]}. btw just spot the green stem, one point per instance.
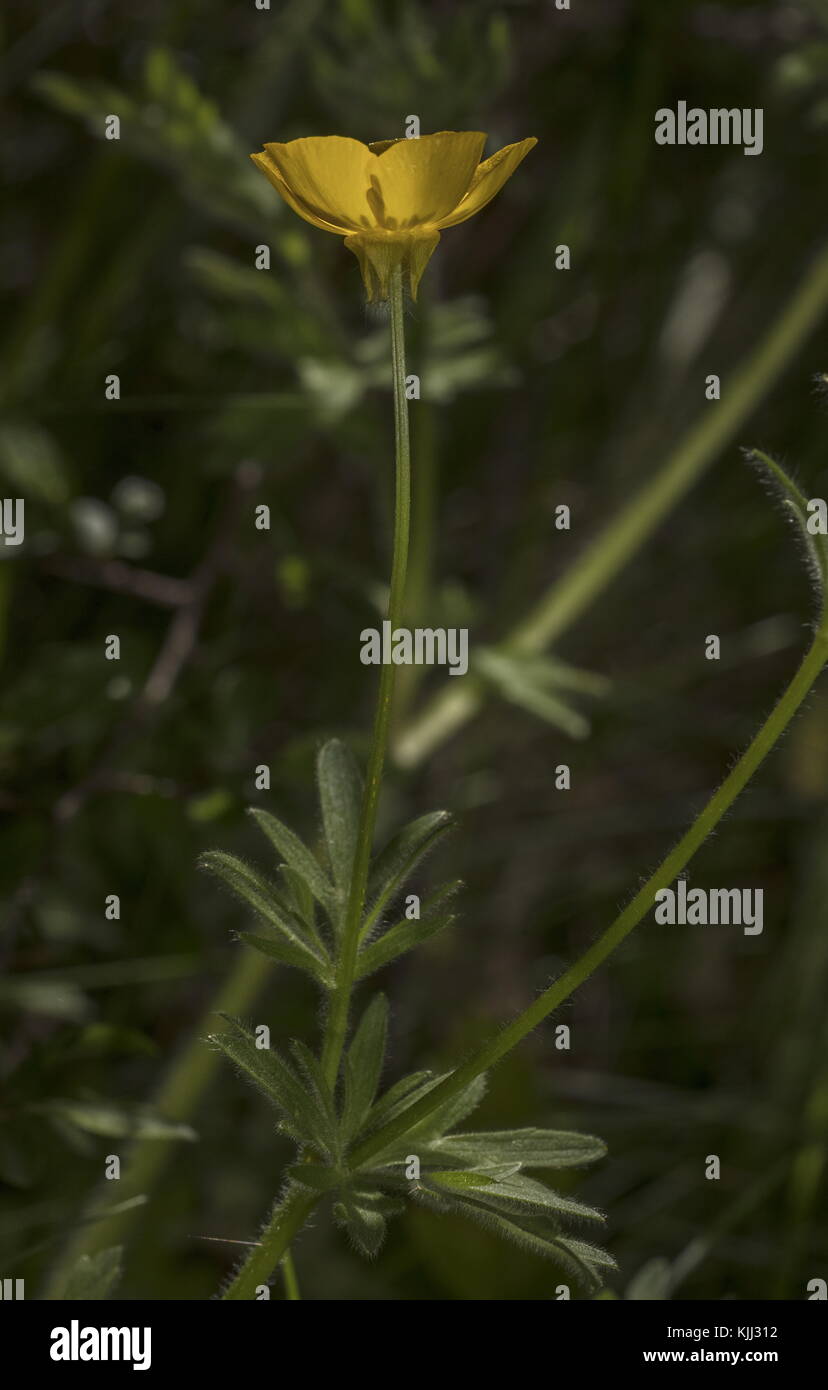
{"type": "Point", "coordinates": [286, 1220]}
{"type": "Point", "coordinates": [614, 546]}
{"type": "Point", "coordinates": [292, 1294]}
{"type": "Point", "coordinates": [337, 1023]}
{"type": "Point", "coordinates": [194, 1071]}
{"type": "Point", "coordinates": [721, 801]}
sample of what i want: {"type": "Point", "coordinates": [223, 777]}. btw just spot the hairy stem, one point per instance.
{"type": "Point", "coordinates": [337, 1022]}
{"type": "Point", "coordinates": [721, 801]}
{"type": "Point", "coordinates": [287, 1218]}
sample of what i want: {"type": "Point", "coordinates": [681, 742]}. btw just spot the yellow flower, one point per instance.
{"type": "Point", "coordinates": [391, 199]}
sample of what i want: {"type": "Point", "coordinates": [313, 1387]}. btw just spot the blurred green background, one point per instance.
{"type": "Point", "coordinates": [239, 647]}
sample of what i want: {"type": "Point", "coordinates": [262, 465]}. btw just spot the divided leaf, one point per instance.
{"type": "Point", "coordinates": [297, 856]}
{"type": "Point", "coordinates": [296, 945]}
{"type": "Point", "coordinates": [302, 1118]}
{"type": "Point", "coordinates": [584, 1262]}
{"type": "Point", "coordinates": [531, 683]}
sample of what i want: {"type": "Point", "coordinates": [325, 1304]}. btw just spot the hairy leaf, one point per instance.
{"type": "Point", "coordinates": [364, 1223]}
{"type": "Point", "coordinates": [399, 858]}
{"type": "Point", "coordinates": [397, 1098]}
{"type": "Point", "coordinates": [406, 934]}
{"type": "Point", "coordinates": [531, 1148]}
{"type": "Point", "coordinates": [291, 954]}
{"type": "Point", "coordinates": [298, 856]}
{"type": "Point", "coordinates": [580, 1260]}
{"type": "Point", "coordinates": [515, 1195]}
{"type": "Point", "coordinates": [796, 504]}
{"type": "Point", "coordinates": [267, 903]}
{"type": "Point", "coordinates": [340, 796]}
{"type": "Point", "coordinates": [363, 1065]}
{"type": "Point", "coordinates": [320, 1093]}
{"type": "Point", "coordinates": [301, 1118]}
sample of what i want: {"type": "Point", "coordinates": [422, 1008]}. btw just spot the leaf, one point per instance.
{"type": "Point", "coordinates": [287, 953]}
{"type": "Point", "coordinates": [115, 1121]}
{"type": "Point", "coordinates": [405, 934]}
{"type": "Point", "coordinates": [320, 1092]}
{"type": "Point", "coordinates": [364, 1222]}
{"type": "Point", "coordinates": [399, 858]}
{"type": "Point", "coordinates": [532, 1148]}
{"type": "Point", "coordinates": [450, 1113]}
{"type": "Point", "coordinates": [257, 893]}
{"type": "Point", "coordinates": [340, 796]}
{"type": "Point", "coordinates": [300, 896]}
{"type": "Point", "coordinates": [297, 855]}
{"type": "Point", "coordinates": [796, 504]}
{"type": "Point", "coordinates": [272, 1075]}
{"type": "Point", "coordinates": [94, 1276]}
{"type": "Point", "coordinates": [517, 1195]}
{"type": "Point", "coordinates": [579, 1259]}
{"type": "Point", "coordinates": [397, 1098]}
{"type": "Point", "coordinates": [363, 1065]}
{"type": "Point", "coordinates": [523, 684]}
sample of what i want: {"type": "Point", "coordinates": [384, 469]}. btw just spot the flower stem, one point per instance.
{"type": "Point", "coordinates": [721, 801]}
{"type": "Point", "coordinates": [292, 1294]}
{"type": "Point", "coordinates": [337, 1022]}
{"type": "Point", "coordinates": [287, 1218]}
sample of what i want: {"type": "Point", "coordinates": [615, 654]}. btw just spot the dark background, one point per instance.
{"type": "Point", "coordinates": [240, 647]}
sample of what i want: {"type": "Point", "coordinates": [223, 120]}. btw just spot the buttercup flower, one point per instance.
{"type": "Point", "coordinates": [391, 199]}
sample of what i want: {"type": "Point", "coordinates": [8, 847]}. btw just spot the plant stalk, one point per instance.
{"type": "Point", "coordinates": [286, 1220]}
{"type": "Point", "coordinates": [497, 1047]}
{"type": "Point", "coordinates": [337, 1021]}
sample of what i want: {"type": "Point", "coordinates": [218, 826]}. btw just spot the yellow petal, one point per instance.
{"type": "Point", "coordinates": [328, 177]}
{"type": "Point", "coordinates": [422, 180]}
{"type": "Point", "coordinates": [488, 181]}
{"type": "Point", "coordinates": [268, 168]}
